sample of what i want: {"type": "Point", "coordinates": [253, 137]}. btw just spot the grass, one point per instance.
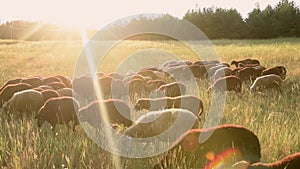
{"type": "Point", "coordinates": [274, 118]}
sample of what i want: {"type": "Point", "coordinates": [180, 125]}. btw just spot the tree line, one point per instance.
{"type": "Point", "coordinates": [282, 20]}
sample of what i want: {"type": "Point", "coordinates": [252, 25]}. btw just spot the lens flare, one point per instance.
{"type": "Point", "coordinates": [224, 159]}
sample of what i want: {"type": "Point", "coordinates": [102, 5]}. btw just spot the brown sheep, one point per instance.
{"type": "Point", "coordinates": [154, 84]}
{"type": "Point", "coordinates": [12, 81]}
{"type": "Point", "coordinates": [289, 162]}
{"type": "Point", "coordinates": [206, 62]}
{"type": "Point", "coordinates": [155, 123]}
{"type": "Point", "coordinates": [199, 71]}
{"type": "Point", "coordinates": [194, 148]}
{"type": "Point", "coordinates": [59, 110]}
{"type": "Point", "coordinates": [228, 83]}
{"type": "Point", "coordinates": [49, 93]}
{"type": "Point", "coordinates": [189, 102]}
{"type": "Point", "coordinates": [245, 61]}
{"type": "Point", "coordinates": [136, 89]}
{"type": "Point", "coordinates": [66, 80]}
{"type": "Point", "coordinates": [115, 75]}
{"type": "Point", "coordinates": [117, 111]}
{"type": "Point", "coordinates": [148, 73]}
{"type": "Point", "coordinates": [84, 87]}
{"type": "Point", "coordinates": [154, 104]}
{"type": "Point", "coordinates": [265, 82]}
{"type": "Point", "coordinates": [51, 79]}
{"type": "Point", "coordinates": [24, 101]}
{"type": "Point", "coordinates": [67, 92]}
{"type": "Point", "coordinates": [105, 86]}
{"type": "Point", "coordinates": [11, 89]}
{"type": "Point", "coordinates": [33, 81]}
{"type": "Point", "coordinates": [222, 72]}
{"type": "Point", "coordinates": [57, 85]}
{"type": "Point", "coordinates": [277, 70]}
{"type": "Point", "coordinates": [173, 89]}
{"type": "Point", "coordinates": [248, 74]}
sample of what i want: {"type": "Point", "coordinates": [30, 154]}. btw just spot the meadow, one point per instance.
{"type": "Point", "coordinates": [273, 117]}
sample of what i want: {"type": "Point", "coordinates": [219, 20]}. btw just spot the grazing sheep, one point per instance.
{"type": "Point", "coordinates": [154, 104]}
{"type": "Point", "coordinates": [115, 110]}
{"type": "Point", "coordinates": [154, 84]}
{"type": "Point", "coordinates": [51, 79]}
{"type": "Point", "coordinates": [199, 71]}
{"type": "Point", "coordinates": [59, 110]}
{"type": "Point", "coordinates": [192, 151]}
{"type": "Point", "coordinates": [67, 92]}
{"type": "Point", "coordinates": [11, 89]}
{"type": "Point", "coordinates": [248, 74]}
{"type": "Point", "coordinates": [12, 81]}
{"type": "Point", "coordinates": [189, 102]}
{"type": "Point", "coordinates": [173, 89]}
{"type": "Point", "coordinates": [222, 72]}
{"type": "Point", "coordinates": [84, 87]}
{"type": "Point", "coordinates": [49, 93]}
{"type": "Point", "coordinates": [66, 80]}
{"type": "Point", "coordinates": [265, 82]}
{"type": "Point", "coordinates": [25, 101]}
{"type": "Point", "coordinates": [136, 89]}
{"type": "Point", "coordinates": [118, 89]}
{"type": "Point", "coordinates": [227, 83]}
{"type": "Point", "coordinates": [289, 162]}
{"type": "Point", "coordinates": [44, 87]}
{"type": "Point", "coordinates": [155, 123]}
{"type": "Point", "coordinates": [205, 62]}
{"type": "Point", "coordinates": [33, 81]}
{"type": "Point", "coordinates": [115, 75]}
{"type": "Point", "coordinates": [277, 70]}
{"type": "Point", "coordinates": [211, 71]}
{"type": "Point", "coordinates": [148, 73]}
{"type": "Point", "coordinates": [245, 62]}
{"type": "Point", "coordinates": [57, 85]}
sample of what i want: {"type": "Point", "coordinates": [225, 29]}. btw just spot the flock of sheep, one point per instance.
{"type": "Point", "coordinates": [160, 94]}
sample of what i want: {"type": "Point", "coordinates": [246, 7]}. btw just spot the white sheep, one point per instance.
{"type": "Point", "coordinates": [25, 101]}
{"type": "Point", "coordinates": [265, 82]}
{"type": "Point", "coordinates": [156, 122]}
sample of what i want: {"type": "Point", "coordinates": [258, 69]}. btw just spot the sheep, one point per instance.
{"type": "Point", "coordinates": [155, 123]}
{"type": "Point", "coordinates": [199, 71]}
{"type": "Point", "coordinates": [227, 83]}
{"type": "Point", "coordinates": [58, 110]}
{"type": "Point", "coordinates": [245, 61]}
{"type": "Point", "coordinates": [67, 92]}
{"type": "Point", "coordinates": [84, 87]}
{"type": "Point", "coordinates": [24, 101]}
{"type": "Point", "coordinates": [265, 82]}
{"type": "Point", "coordinates": [148, 73]}
{"type": "Point", "coordinates": [194, 147]}
{"type": "Point", "coordinates": [115, 75]}
{"type": "Point", "coordinates": [9, 91]}
{"type": "Point", "coordinates": [136, 89]}
{"type": "Point", "coordinates": [189, 102]}
{"type": "Point", "coordinates": [115, 110]}
{"type": "Point", "coordinates": [51, 79]}
{"type": "Point", "coordinates": [289, 162]}
{"type": "Point", "coordinates": [173, 89]}
{"type": "Point", "coordinates": [66, 80]}
{"type": "Point", "coordinates": [211, 71]}
{"type": "Point", "coordinates": [12, 81]}
{"type": "Point", "coordinates": [154, 104]}
{"type": "Point", "coordinates": [154, 84]}
{"type": "Point", "coordinates": [118, 89]}
{"type": "Point", "coordinates": [277, 70]}
{"type": "Point", "coordinates": [222, 72]}
{"type": "Point", "coordinates": [205, 62]}
{"type": "Point", "coordinates": [33, 81]}
{"type": "Point", "coordinates": [57, 85]}
{"type": "Point", "coordinates": [248, 74]}
{"type": "Point", "coordinates": [49, 93]}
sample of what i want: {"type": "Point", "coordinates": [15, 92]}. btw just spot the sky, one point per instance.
{"type": "Point", "coordinates": [99, 13]}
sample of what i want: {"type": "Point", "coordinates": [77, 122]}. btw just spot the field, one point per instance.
{"type": "Point", "coordinates": [273, 117]}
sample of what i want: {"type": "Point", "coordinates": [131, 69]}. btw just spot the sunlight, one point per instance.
{"type": "Point", "coordinates": [97, 87]}
{"type": "Point", "coordinates": [32, 31]}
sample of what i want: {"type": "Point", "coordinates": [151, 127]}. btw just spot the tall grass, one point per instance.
{"type": "Point", "coordinates": [273, 117]}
